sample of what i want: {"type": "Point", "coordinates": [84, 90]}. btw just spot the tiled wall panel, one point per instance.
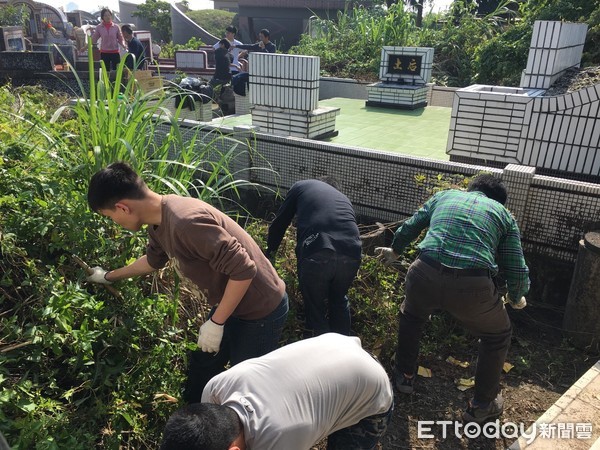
{"type": "Point", "coordinates": [396, 94]}
{"type": "Point", "coordinates": [284, 81]}
{"type": "Point", "coordinates": [555, 47]}
{"type": "Point", "coordinates": [569, 132]}
{"type": "Point", "coordinates": [286, 122]}
{"type": "Point", "coordinates": [552, 213]}
{"type": "Point", "coordinates": [557, 214]}
{"type": "Point", "coordinates": [511, 125]}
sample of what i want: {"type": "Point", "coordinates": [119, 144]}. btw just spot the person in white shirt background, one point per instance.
{"type": "Point", "coordinates": [230, 33]}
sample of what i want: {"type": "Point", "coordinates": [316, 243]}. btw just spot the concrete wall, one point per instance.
{"type": "Point", "coordinates": [126, 10]}
{"type": "Point", "coordinates": [441, 96]}
{"type": "Point", "coordinates": [185, 28]}
{"type": "Point", "coordinates": [285, 19]}
{"type": "Point", "coordinates": [331, 87]}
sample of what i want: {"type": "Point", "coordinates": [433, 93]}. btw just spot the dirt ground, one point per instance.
{"type": "Point", "coordinates": [575, 79]}
{"type": "Point", "coordinates": [545, 366]}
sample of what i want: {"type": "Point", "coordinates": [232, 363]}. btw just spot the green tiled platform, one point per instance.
{"type": "Point", "coordinates": [423, 132]}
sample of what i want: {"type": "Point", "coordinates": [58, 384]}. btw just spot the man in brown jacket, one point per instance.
{"type": "Point", "coordinates": [208, 248]}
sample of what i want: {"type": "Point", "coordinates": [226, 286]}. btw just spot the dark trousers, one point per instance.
{"type": "Point", "coordinates": [240, 83]}
{"type": "Point", "coordinates": [473, 301]}
{"type": "Point", "coordinates": [242, 339]}
{"type": "Point", "coordinates": [111, 60]}
{"type": "Point", "coordinates": [324, 278]}
{"type": "Point", "coordinates": [365, 435]}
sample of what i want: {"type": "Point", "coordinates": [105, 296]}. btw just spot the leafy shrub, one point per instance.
{"type": "Point", "coordinates": [168, 50]}
{"type": "Point", "coordinates": [501, 59]}
{"type": "Point", "coordinates": [11, 15]}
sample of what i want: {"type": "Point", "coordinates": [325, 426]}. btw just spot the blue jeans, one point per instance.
{"type": "Point", "coordinates": [245, 339]}
{"type": "Point", "coordinates": [365, 435]}
{"type": "Point", "coordinates": [242, 339]}
{"type": "Point", "coordinates": [324, 278]}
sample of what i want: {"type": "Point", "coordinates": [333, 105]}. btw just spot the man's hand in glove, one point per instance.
{"type": "Point", "coordinates": [210, 336]}
{"type": "Point", "coordinates": [98, 275]}
{"type": "Point", "coordinates": [386, 255]}
{"type": "Point", "coordinates": [522, 303]}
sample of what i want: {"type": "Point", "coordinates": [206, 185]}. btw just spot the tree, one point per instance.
{"type": "Point", "coordinates": [416, 4]}
{"type": "Point", "coordinates": [158, 15]}
{"type": "Point", "coordinates": [486, 7]}
{"type": "Point", "coordinates": [13, 16]}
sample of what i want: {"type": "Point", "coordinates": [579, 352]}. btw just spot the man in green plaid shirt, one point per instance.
{"type": "Point", "coordinates": [471, 237]}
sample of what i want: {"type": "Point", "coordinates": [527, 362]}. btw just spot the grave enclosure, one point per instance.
{"type": "Point", "coordinates": [559, 135]}
{"type": "Point", "coordinates": [404, 73]}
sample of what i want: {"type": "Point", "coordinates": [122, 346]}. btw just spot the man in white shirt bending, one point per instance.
{"type": "Point", "coordinates": [291, 398]}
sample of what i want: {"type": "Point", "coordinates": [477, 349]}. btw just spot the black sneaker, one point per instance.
{"type": "Point", "coordinates": [404, 384]}
{"type": "Point", "coordinates": [481, 415]}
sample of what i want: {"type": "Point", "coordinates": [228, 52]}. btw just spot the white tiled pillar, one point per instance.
{"type": "Point", "coordinates": [284, 93]}
{"type": "Point", "coordinates": [284, 81]}
{"type": "Point", "coordinates": [517, 180]}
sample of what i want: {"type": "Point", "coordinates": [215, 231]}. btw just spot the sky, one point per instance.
{"type": "Point", "coordinates": [95, 5]}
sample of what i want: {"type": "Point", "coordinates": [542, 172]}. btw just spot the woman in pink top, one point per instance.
{"type": "Point", "coordinates": [111, 39]}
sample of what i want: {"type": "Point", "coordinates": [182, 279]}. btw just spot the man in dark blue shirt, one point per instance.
{"type": "Point", "coordinates": [328, 251]}
{"type": "Point", "coordinates": [134, 47]}
{"type": "Point", "coordinates": [240, 81]}
{"type": "Point", "coordinates": [263, 45]}
{"type": "Point", "coordinates": [222, 64]}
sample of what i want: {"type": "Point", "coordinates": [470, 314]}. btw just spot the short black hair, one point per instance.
{"type": "Point", "coordinates": [491, 186]}
{"type": "Point", "coordinates": [201, 426]}
{"type": "Point", "coordinates": [231, 29]}
{"type": "Point", "coordinates": [115, 182]}
{"type": "Point", "coordinates": [105, 10]}
{"type": "Point", "coordinates": [225, 43]}
{"type": "Point", "coordinates": [126, 29]}
{"type": "Point", "coordinates": [265, 32]}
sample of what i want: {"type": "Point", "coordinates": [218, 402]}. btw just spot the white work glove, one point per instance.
{"type": "Point", "coordinates": [98, 275]}
{"type": "Point", "coordinates": [518, 305]}
{"type": "Point", "coordinates": [386, 255]}
{"type": "Point", "coordinates": [210, 336]}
